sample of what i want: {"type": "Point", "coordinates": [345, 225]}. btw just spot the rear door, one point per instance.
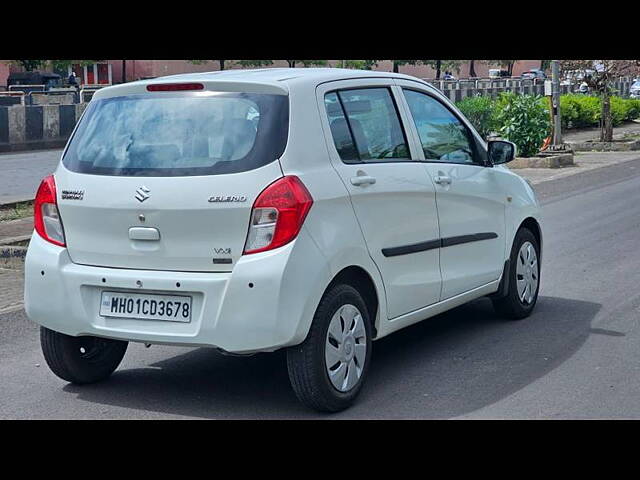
{"type": "Point", "coordinates": [392, 195]}
{"type": "Point", "coordinates": [471, 204]}
{"type": "Point", "coordinates": [166, 181]}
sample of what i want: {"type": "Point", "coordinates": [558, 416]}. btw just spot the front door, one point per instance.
{"type": "Point", "coordinates": [471, 206]}
{"type": "Point", "coordinates": [392, 194]}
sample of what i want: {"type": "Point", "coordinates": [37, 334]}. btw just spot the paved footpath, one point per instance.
{"type": "Point", "coordinates": [584, 135]}
{"type": "Point", "coordinates": [584, 161]}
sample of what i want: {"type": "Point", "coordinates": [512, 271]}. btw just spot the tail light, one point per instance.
{"type": "Point", "coordinates": [46, 217]}
{"type": "Point", "coordinates": [278, 214]}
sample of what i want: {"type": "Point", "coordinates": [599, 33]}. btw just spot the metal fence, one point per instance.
{"type": "Point", "coordinates": [457, 90]}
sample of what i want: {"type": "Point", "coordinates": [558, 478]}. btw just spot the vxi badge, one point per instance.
{"type": "Point", "coordinates": [227, 198]}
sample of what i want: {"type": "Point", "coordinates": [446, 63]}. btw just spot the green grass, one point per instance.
{"type": "Point", "coordinates": [20, 210]}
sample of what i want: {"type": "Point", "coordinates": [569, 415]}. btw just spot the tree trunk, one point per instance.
{"type": "Point", "coordinates": [292, 63]}
{"type": "Point", "coordinates": [221, 62]}
{"type": "Point", "coordinates": [438, 67]}
{"type": "Point", "coordinates": [124, 71]}
{"type": "Point", "coordinates": [395, 67]}
{"type": "Point", "coordinates": [606, 132]}
{"type": "Point", "coordinates": [472, 70]}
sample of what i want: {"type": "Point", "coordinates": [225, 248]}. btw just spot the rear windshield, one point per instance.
{"type": "Point", "coordinates": [179, 134]}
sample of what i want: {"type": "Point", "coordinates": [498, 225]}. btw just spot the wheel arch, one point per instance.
{"type": "Point", "coordinates": [533, 225]}
{"type": "Point", "coordinates": [359, 278]}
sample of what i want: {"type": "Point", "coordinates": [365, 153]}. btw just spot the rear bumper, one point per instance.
{"type": "Point", "coordinates": [226, 312]}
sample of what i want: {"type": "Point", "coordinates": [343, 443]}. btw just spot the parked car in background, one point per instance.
{"type": "Point", "coordinates": [497, 73]}
{"type": "Point", "coordinates": [634, 91]}
{"type": "Point", "coordinates": [534, 73]}
{"type": "Point", "coordinates": [48, 79]}
{"type": "Point", "coordinates": [312, 210]}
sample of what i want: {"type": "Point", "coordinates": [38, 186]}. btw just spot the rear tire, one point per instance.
{"type": "Point", "coordinates": [81, 360]}
{"type": "Point", "coordinates": [328, 369]}
{"type": "Point", "coordinates": [524, 278]}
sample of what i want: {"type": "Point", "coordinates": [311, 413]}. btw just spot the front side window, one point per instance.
{"type": "Point", "coordinates": [365, 125]}
{"type": "Point", "coordinates": [179, 134]}
{"type": "Point", "coordinates": [443, 137]}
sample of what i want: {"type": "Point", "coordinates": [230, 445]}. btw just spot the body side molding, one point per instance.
{"type": "Point", "coordinates": [439, 243]}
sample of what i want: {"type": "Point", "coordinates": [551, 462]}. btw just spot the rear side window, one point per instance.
{"type": "Point", "coordinates": [179, 134]}
{"type": "Point", "coordinates": [340, 130]}
{"type": "Point", "coordinates": [365, 125]}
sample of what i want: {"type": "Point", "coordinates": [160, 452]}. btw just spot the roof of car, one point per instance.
{"type": "Point", "coordinates": [317, 75]}
{"type": "Point", "coordinates": [281, 78]}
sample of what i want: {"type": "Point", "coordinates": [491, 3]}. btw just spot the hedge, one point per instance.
{"type": "Point", "coordinates": [578, 111]}
{"type": "Point", "coordinates": [521, 120]}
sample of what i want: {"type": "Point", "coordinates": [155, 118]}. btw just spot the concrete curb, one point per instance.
{"type": "Point", "coordinates": [12, 203]}
{"type": "Point", "coordinates": [606, 146]}
{"type": "Point", "coordinates": [34, 145]}
{"type": "Point", "coordinates": [15, 241]}
{"type": "Point", "coordinates": [547, 161]}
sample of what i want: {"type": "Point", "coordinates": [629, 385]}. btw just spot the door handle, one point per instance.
{"type": "Point", "coordinates": [362, 179]}
{"type": "Point", "coordinates": [144, 233]}
{"type": "Point", "coordinates": [442, 180]}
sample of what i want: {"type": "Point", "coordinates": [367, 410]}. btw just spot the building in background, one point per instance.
{"type": "Point", "coordinates": [109, 72]}
{"type": "Point", "coordinates": [4, 73]}
{"type": "Point", "coordinates": [138, 69]}
{"type": "Point", "coordinates": [95, 74]}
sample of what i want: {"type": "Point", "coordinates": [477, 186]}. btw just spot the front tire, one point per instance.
{"type": "Point", "coordinates": [524, 278]}
{"type": "Point", "coordinates": [328, 369]}
{"type": "Point", "coordinates": [81, 360]}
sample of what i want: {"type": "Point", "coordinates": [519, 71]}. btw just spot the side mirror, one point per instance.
{"type": "Point", "coordinates": [501, 151]}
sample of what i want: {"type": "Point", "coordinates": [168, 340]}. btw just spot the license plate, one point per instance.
{"type": "Point", "coordinates": [144, 306]}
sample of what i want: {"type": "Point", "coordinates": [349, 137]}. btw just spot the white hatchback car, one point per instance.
{"type": "Point", "coordinates": [312, 209]}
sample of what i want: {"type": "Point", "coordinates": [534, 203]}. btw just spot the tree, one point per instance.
{"type": "Point", "coordinates": [599, 75]}
{"type": "Point", "coordinates": [472, 70]}
{"type": "Point", "coordinates": [221, 63]}
{"type": "Point", "coordinates": [398, 63]}
{"type": "Point", "coordinates": [28, 65]}
{"type": "Point", "coordinates": [360, 64]}
{"type": "Point", "coordinates": [255, 63]}
{"type": "Point", "coordinates": [31, 65]}
{"type": "Point", "coordinates": [439, 65]}
{"type": "Point", "coordinates": [306, 63]}
{"type": "Point", "coordinates": [508, 64]}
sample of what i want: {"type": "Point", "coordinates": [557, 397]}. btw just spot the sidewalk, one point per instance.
{"type": "Point", "coordinates": [14, 229]}
{"type": "Point", "coordinates": [584, 161]}
{"type": "Point", "coordinates": [584, 135]}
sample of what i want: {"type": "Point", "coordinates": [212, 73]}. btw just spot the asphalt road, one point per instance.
{"type": "Point", "coordinates": [21, 173]}
{"type": "Point", "coordinates": [577, 356]}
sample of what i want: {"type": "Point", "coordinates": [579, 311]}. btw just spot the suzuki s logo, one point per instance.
{"type": "Point", "coordinates": [142, 194]}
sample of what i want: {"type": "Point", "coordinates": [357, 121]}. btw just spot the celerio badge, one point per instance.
{"type": "Point", "coordinates": [72, 194]}
{"type": "Point", "coordinates": [142, 194]}
{"type": "Point", "coordinates": [227, 198]}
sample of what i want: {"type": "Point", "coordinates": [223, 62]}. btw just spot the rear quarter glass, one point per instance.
{"type": "Point", "coordinates": [181, 134]}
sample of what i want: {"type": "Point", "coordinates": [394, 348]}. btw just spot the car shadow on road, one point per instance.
{"type": "Point", "coordinates": [444, 367]}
